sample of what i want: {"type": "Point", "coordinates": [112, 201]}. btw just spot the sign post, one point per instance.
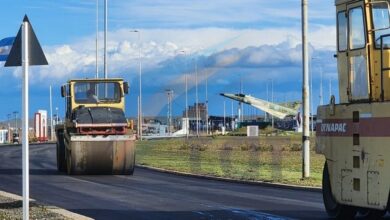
{"type": "Point", "coordinates": [25, 51]}
{"type": "Point", "coordinates": [25, 144]}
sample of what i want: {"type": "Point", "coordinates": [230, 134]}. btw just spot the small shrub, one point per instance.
{"type": "Point", "coordinates": [184, 146]}
{"type": "Point", "coordinates": [244, 147]}
{"type": "Point", "coordinates": [296, 147]}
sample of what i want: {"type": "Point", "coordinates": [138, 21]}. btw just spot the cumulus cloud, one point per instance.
{"type": "Point", "coordinates": [257, 57]}
{"type": "Point", "coordinates": [226, 48]}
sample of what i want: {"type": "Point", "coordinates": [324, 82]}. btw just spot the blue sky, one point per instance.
{"type": "Point", "coordinates": [257, 40]}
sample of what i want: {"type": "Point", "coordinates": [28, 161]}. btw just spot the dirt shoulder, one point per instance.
{"type": "Point", "coordinates": [11, 207]}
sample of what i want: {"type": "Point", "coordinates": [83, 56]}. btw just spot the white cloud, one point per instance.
{"type": "Point", "coordinates": [157, 45]}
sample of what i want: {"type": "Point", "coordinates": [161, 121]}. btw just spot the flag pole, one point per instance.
{"type": "Point", "coordinates": [25, 145]}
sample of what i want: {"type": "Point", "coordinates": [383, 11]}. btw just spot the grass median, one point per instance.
{"type": "Point", "coordinates": [271, 159]}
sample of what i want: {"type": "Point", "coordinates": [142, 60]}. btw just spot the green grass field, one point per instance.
{"type": "Point", "coordinates": [272, 159]}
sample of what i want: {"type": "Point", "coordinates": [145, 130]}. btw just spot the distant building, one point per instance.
{"type": "Point", "coordinates": [202, 108]}
{"type": "Point", "coordinates": [3, 136]}
{"type": "Point", "coordinates": [40, 125]}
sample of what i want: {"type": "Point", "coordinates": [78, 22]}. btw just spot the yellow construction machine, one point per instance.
{"type": "Point", "coordinates": [354, 134]}
{"type": "Point", "coordinates": [95, 137]}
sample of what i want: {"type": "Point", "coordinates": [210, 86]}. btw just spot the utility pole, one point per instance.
{"type": "Point", "coordinates": [105, 38]}
{"type": "Point", "coordinates": [305, 94]}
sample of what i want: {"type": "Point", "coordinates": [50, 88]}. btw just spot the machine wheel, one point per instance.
{"type": "Point", "coordinates": [69, 162]}
{"type": "Point", "coordinates": [371, 213]}
{"type": "Point", "coordinates": [61, 162]}
{"type": "Point", "coordinates": [132, 165]}
{"type": "Point", "coordinates": [333, 208]}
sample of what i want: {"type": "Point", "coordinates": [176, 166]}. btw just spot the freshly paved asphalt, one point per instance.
{"type": "Point", "coordinates": [150, 194]}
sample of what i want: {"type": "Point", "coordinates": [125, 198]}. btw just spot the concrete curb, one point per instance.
{"type": "Point", "coordinates": [16, 145]}
{"type": "Point", "coordinates": [258, 183]}
{"type": "Point", "coordinates": [51, 208]}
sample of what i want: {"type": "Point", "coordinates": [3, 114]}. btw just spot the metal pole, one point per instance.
{"type": "Point", "coordinates": [168, 114]}
{"type": "Point", "coordinates": [105, 38]}
{"type": "Point", "coordinates": [272, 98]}
{"type": "Point", "coordinates": [9, 128]}
{"type": "Point", "coordinates": [187, 119]}
{"type": "Point", "coordinates": [231, 121]}
{"type": "Point", "coordinates": [266, 114]}
{"type": "Point", "coordinates": [330, 88]}
{"type": "Point", "coordinates": [16, 122]}
{"type": "Point", "coordinates": [57, 116]}
{"type": "Point", "coordinates": [196, 98]}
{"type": "Point", "coordinates": [25, 144]}
{"type": "Point", "coordinates": [51, 116]}
{"type": "Point", "coordinates": [224, 114]}
{"type": "Point", "coordinates": [321, 92]}
{"type": "Point", "coordinates": [311, 97]}
{"type": "Point", "coordinates": [97, 39]}
{"type": "Point", "coordinates": [138, 120]}
{"type": "Point", "coordinates": [305, 95]}
{"type": "Point", "coordinates": [140, 83]}
{"type": "Point", "coordinates": [241, 105]}
{"type": "Point", "coordinates": [207, 106]}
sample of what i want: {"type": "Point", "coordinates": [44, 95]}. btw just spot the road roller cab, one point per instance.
{"type": "Point", "coordinates": [353, 131]}
{"type": "Point", "coordinates": [95, 137]}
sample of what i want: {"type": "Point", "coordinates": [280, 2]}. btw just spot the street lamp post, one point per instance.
{"type": "Point", "coordinates": [105, 37]}
{"type": "Point", "coordinates": [305, 93]}
{"type": "Point", "coordinates": [97, 39]}
{"type": "Point", "coordinates": [9, 128]}
{"type": "Point", "coordinates": [140, 122]}
{"type": "Point", "coordinates": [207, 105]}
{"type": "Point", "coordinates": [272, 97]}
{"type": "Point", "coordinates": [187, 121]}
{"type": "Point", "coordinates": [196, 98]}
{"type": "Point", "coordinates": [57, 118]}
{"type": "Point", "coordinates": [16, 122]}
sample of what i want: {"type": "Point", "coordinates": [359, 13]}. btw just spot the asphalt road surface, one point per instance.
{"type": "Point", "coordinates": [150, 194]}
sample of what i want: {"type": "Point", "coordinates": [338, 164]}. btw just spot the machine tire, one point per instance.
{"type": "Point", "coordinates": [333, 208]}
{"type": "Point", "coordinates": [61, 162]}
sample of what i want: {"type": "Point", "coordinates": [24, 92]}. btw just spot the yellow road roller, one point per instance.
{"type": "Point", "coordinates": [95, 137]}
